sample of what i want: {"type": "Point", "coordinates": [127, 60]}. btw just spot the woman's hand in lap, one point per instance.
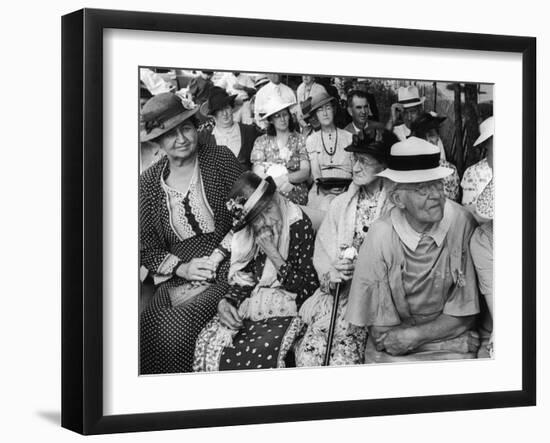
{"type": "Point", "coordinates": [229, 316]}
{"type": "Point", "coordinates": [200, 269]}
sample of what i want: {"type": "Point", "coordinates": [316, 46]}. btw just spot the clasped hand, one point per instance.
{"type": "Point", "coordinates": [199, 268]}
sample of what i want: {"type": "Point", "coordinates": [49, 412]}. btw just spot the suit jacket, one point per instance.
{"type": "Point", "coordinates": [249, 134]}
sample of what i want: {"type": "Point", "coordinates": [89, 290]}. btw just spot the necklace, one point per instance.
{"type": "Point", "coordinates": [332, 150]}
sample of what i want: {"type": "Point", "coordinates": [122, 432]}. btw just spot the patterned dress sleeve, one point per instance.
{"type": "Point", "coordinates": [153, 252]}
{"type": "Point", "coordinates": [301, 148]}
{"type": "Point", "coordinates": [258, 151]}
{"type": "Point", "coordinates": [237, 293]}
{"type": "Point", "coordinates": [298, 275]}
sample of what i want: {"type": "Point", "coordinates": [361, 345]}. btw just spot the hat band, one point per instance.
{"type": "Point", "coordinates": [413, 162]}
{"type": "Point", "coordinates": [159, 120]}
{"type": "Point", "coordinates": [409, 100]}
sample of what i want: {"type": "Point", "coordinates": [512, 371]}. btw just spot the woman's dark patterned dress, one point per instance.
{"type": "Point", "coordinates": [167, 333]}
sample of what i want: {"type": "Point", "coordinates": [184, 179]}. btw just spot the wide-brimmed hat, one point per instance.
{"type": "Point", "coordinates": [305, 106]}
{"type": "Point", "coordinates": [218, 98]}
{"type": "Point", "coordinates": [273, 105]}
{"type": "Point", "coordinates": [486, 130]}
{"type": "Point", "coordinates": [414, 160]}
{"type": "Point", "coordinates": [426, 121]}
{"type": "Point", "coordinates": [375, 140]}
{"type": "Point", "coordinates": [164, 112]}
{"type": "Point", "coordinates": [319, 100]}
{"type": "Point", "coordinates": [485, 202]}
{"type": "Point", "coordinates": [246, 208]}
{"type": "Point", "coordinates": [408, 96]}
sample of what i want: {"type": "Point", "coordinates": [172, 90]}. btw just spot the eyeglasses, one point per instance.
{"type": "Point", "coordinates": [365, 161]}
{"type": "Point", "coordinates": [424, 189]}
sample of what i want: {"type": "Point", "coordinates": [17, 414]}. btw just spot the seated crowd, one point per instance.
{"type": "Point", "coordinates": [258, 212]}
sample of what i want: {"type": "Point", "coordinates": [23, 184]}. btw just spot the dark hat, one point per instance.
{"type": "Point", "coordinates": [208, 72]}
{"type": "Point", "coordinates": [305, 106]}
{"type": "Point", "coordinates": [426, 121]}
{"type": "Point", "coordinates": [251, 200]}
{"type": "Point", "coordinates": [218, 98]}
{"type": "Point", "coordinates": [319, 100]}
{"type": "Point", "coordinates": [375, 140]}
{"type": "Point", "coordinates": [164, 112]}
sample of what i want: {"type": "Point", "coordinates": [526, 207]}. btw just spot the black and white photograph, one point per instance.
{"type": "Point", "coordinates": [301, 220]}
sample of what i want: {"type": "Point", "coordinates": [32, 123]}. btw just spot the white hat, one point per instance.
{"type": "Point", "coordinates": [409, 96]}
{"type": "Point", "coordinates": [414, 160]}
{"type": "Point", "coordinates": [486, 130]}
{"type": "Point", "coordinates": [273, 105]}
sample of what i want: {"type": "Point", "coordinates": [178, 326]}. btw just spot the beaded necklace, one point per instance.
{"type": "Point", "coordinates": [332, 150]}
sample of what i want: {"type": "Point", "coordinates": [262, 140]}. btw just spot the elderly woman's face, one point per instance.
{"type": "Point", "coordinates": [365, 168]}
{"type": "Point", "coordinates": [224, 117]}
{"type": "Point", "coordinates": [424, 202]}
{"type": "Point", "coordinates": [180, 142]}
{"type": "Point", "coordinates": [280, 120]}
{"type": "Point", "coordinates": [270, 218]}
{"type": "Point", "coordinates": [325, 114]}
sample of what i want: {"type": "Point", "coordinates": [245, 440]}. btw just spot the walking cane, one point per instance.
{"type": "Point", "coordinates": [332, 326]}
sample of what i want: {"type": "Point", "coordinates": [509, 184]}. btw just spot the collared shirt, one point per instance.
{"type": "Point", "coordinates": [229, 137]}
{"type": "Point", "coordinates": [407, 276]}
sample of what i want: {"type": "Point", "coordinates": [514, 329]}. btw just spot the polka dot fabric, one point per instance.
{"type": "Point", "coordinates": [168, 334]}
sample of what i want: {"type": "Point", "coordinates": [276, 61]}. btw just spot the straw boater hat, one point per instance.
{"type": "Point", "coordinates": [245, 208]}
{"type": "Point", "coordinates": [409, 96]}
{"type": "Point", "coordinates": [414, 160]}
{"type": "Point", "coordinates": [486, 130]}
{"type": "Point", "coordinates": [319, 100]}
{"type": "Point", "coordinates": [164, 112]}
{"type": "Point", "coordinates": [218, 98]}
{"type": "Point", "coordinates": [273, 105]}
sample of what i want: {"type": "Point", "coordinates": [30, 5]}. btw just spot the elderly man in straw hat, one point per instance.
{"type": "Point", "coordinates": [408, 108]}
{"type": "Point", "coordinates": [415, 286]}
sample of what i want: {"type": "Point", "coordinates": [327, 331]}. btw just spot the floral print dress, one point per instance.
{"type": "Point", "coordinates": [266, 152]}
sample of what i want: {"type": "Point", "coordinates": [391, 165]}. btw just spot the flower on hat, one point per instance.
{"type": "Point", "coordinates": [235, 206]}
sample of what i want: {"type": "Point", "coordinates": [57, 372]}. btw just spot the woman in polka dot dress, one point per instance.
{"type": "Point", "coordinates": [271, 275]}
{"type": "Point", "coordinates": [184, 233]}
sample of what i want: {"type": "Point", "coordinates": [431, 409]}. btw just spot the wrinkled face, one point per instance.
{"type": "Point", "coordinates": [410, 114]}
{"type": "Point", "coordinates": [423, 202]}
{"type": "Point", "coordinates": [359, 111]}
{"type": "Point", "coordinates": [307, 79]}
{"type": "Point", "coordinates": [224, 117]}
{"type": "Point", "coordinates": [275, 78]}
{"type": "Point", "coordinates": [270, 218]}
{"type": "Point", "coordinates": [180, 142]}
{"type": "Point", "coordinates": [280, 120]}
{"type": "Point", "coordinates": [325, 114]}
{"type": "Point", "coordinates": [365, 168]}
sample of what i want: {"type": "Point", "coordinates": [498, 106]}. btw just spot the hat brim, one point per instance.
{"type": "Point", "coordinates": [207, 112]}
{"type": "Point", "coordinates": [169, 124]}
{"type": "Point", "coordinates": [259, 206]}
{"type": "Point", "coordinates": [278, 109]}
{"type": "Point", "coordinates": [416, 176]}
{"type": "Point", "coordinates": [410, 105]}
{"type": "Point", "coordinates": [321, 103]}
{"type": "Point", "coordinates": [482, 138]}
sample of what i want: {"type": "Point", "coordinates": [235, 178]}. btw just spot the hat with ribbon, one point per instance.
{"type": "Point", "coordinates": [164, 112]}
{"type": "Point", "coordinates": [305, 106]}
{"type": "Point", "coordinates": [414, 160]}
{"type": "Point", "coordinates": [486, 130]}
{"type": "Point", "coordinates": [218, 98]}
{"type": "Point", "coordinates": [375, 140]}
{"type": "Point", "coordinates": [408, 96]}
{"type": "Point", "coordinates": [260, 81]}
{"type": "Point", "coordinates": [273, 105]}
{"type": "Point", "coordinates": [246, 207]}
{"type": "Point", "coordinates": [319, 100]}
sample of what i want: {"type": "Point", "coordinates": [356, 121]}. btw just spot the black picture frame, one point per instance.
{"type": "Point", "coordinates": [82, 219]}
